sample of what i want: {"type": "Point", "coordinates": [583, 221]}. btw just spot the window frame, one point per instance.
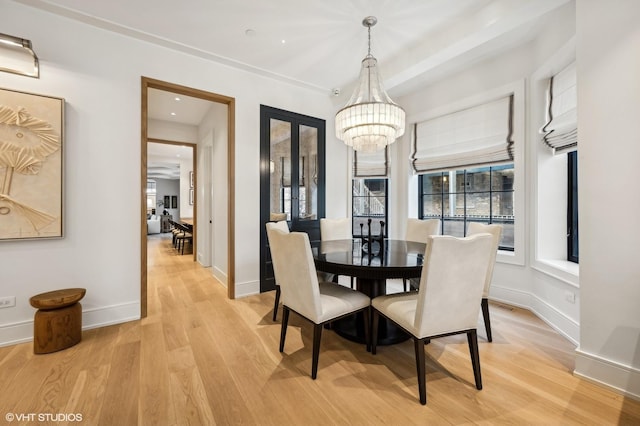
{"type": "Point", "coordinates": [354, 231]}
{"type": "Point", "coordinates": [572, 208]}
{"type": "Point", "coordinates": [465, 217]}
{"type": "Point", "coordinates": [548, 188]}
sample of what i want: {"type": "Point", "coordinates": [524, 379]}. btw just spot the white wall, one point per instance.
{"type": "Point", "coordinates": [99, 75]}
{"type": "Point", "coordinates": [514, 281]}
{"type": "Point", "coordinates": [213, 133]}
{"type": "Point", "coordinates": [608, 70]}
{"type": "Point", "coordinates": [167, 187]}
{"type": "Point", "coordinates": [175, 132]}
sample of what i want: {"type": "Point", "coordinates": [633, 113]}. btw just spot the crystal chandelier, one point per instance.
{"type": "Point", "coordinates": [371, 120]}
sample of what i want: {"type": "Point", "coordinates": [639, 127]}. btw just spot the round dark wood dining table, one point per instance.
{"type": "Point", "coordinates": [370, 268]}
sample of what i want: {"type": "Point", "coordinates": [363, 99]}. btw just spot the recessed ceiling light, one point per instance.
{"type": "Point", "coordinates": [177, 155]}
{"type": "Point", "coordinates": [177, 99]}
{"type": "Point", "coordinates": [249, 32]}
{"type": "Point", "coordinates": [173, 113]}
{"type": "Point", "coordinates": [284, 41]}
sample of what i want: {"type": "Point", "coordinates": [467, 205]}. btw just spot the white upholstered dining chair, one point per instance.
{"type": "Point", "coordinates": [318, 302]}
{"type": "Point", "coordinates": [418, 230]}
{"type": "Point", "coordinates": [331, 230]}
{"type": "Point", "coordinates": [284, 227]}
{"type": "Point", "coordinates": [447, 301]}
{"type": "Point", "coordinates": [496, 232]}
{"type": "Point", "coordinates": [335, 229]}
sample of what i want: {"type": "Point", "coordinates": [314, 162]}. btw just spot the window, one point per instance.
{"type": "Point", "coordinates": [572, 207]}
{"type": "Point", "coordinates": [482, 194]}
{"type": "Point", "coordinates": [369, 198]}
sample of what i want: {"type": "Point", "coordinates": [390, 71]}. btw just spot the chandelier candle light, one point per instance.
{"type": "Point", "coordinates": [371, 120]}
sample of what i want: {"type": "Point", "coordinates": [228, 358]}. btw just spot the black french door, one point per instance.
{"type": "Point", "coordinates": [292, 177]}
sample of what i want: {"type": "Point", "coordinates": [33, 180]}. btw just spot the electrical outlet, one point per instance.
{"type": "Point", "coordinates": [7, 302]}
{"type": "Point", "coordinates": [570, 296]}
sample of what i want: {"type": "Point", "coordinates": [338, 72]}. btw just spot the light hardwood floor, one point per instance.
{"type": "Point", "coordinates": [201, 359]}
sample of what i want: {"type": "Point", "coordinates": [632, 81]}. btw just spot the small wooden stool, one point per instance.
{"type": "Point", "coordinates": [57, 324]}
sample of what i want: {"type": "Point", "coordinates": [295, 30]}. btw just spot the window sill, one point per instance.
{"type": "Point", "coordinates": [563, 270]}
{"type": "Point", "coordinates": [509, 257]}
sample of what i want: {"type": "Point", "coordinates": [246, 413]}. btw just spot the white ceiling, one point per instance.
{"type": "Point", "coordinates": [315, 44]}
{"type": "Point", "coordinates": [163, 160]}
{"type": "Point", "coordinates": [415, 41]}
{"type": "Point", "coordinates": [188, 110]}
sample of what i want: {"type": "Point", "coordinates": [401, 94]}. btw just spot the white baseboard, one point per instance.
{"type": "Point", "coordinates": [220, 275]}
{"type": "Point", "coordinates": [17, 332]}
{"type": "Point", "coordinates": [248, 288]}
{"type": "Point", "coordinates": [22, 332]}
{"type": "Point", "coordinates": [621, 378]}
{"type": "Point", "coordinates": [556, 319]}
{"type": "Point", "coordinates": [110, 315]}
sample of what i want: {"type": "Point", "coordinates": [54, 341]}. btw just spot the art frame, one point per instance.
{"type": "Point", "coordinates": [166, 202]}
{"type": "Point", "coordinates": [190, 179]}
{"type": "Point", "coordinates": [174, 201]}
{"type": "Point", "coordinates": [191, 196]}
{"type": "Point", "coordinates": [31, 166]}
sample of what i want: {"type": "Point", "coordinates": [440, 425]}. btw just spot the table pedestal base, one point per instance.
{"type": "Point", "coordinates": [352, 327]}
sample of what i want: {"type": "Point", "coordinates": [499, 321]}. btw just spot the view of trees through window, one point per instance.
{"type": "Point", "coordinates": [369, 198]}
{"type": "Point", "coordinates": [474, 195]}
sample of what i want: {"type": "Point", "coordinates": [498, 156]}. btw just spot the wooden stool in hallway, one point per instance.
{"type": "Point", "coordinates": [57, 323]}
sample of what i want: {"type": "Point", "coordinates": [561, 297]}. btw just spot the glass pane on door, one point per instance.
{"type": "Point", "coordinates": [280, 169]}
{"type": "Point", "coordinates": [308, 173]}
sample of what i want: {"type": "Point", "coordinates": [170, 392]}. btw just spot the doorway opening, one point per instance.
{"type": "Point", "coordinates": [229, 103]}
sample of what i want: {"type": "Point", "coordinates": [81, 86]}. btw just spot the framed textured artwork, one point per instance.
{"type": "Point", "coordinates": [174, 201]}
{"type": "Point", "coordinates": [190, 179]}
{"type": "Point", "coordinates": [31, 165]}
{"type": "Point", "coordinates": [191, 196]}
{"type": "Point", "coordinates": [167, 202]}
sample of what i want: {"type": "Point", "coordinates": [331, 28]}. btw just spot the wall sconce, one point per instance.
{"type": "Point", "coordinates": [17, 56]}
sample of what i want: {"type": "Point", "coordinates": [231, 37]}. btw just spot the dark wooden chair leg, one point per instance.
{"type": "Point", "coordinates": [472, 337]}
{"type": "Point", "coordinates": [283, 329]}
{"type": "Point", "coordinates": [374, 330]}
{"type": "Point", "coordinates": [276, 303]}
{"type": "Point", "coordinates": [317, 335]}
{"type": "Point", "coordinates": [485, 314]}
{"type": "Point", "coordinates": [421, 369]}
{"type": "Point", "coordinates": [404, 284]}
{"type": "Point", "coordinates": [351, 282]}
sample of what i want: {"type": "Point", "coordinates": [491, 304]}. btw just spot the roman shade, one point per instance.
{"type": "Point", "coordinates": [371, 164]}
{"type": "Point", "coordinates": [472, 137]}
{"type": "Point", "coordinates": [560, 131]}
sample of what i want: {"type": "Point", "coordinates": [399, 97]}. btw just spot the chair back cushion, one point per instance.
{"type": "Point", "coordinates": [295, 272]}
{"type": "Point", "coordinates": [281, 226]}
{"type": "Point", "coordinates": [418, 230]}
{"type": "Point", "coordinates": [496, 233]}
{"type": "Point", "coordinates": [277, 217]}
{"type": "Point", "coordinates": [451, 283]}
{"type": "Point", "coordinates": [335, 229]}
